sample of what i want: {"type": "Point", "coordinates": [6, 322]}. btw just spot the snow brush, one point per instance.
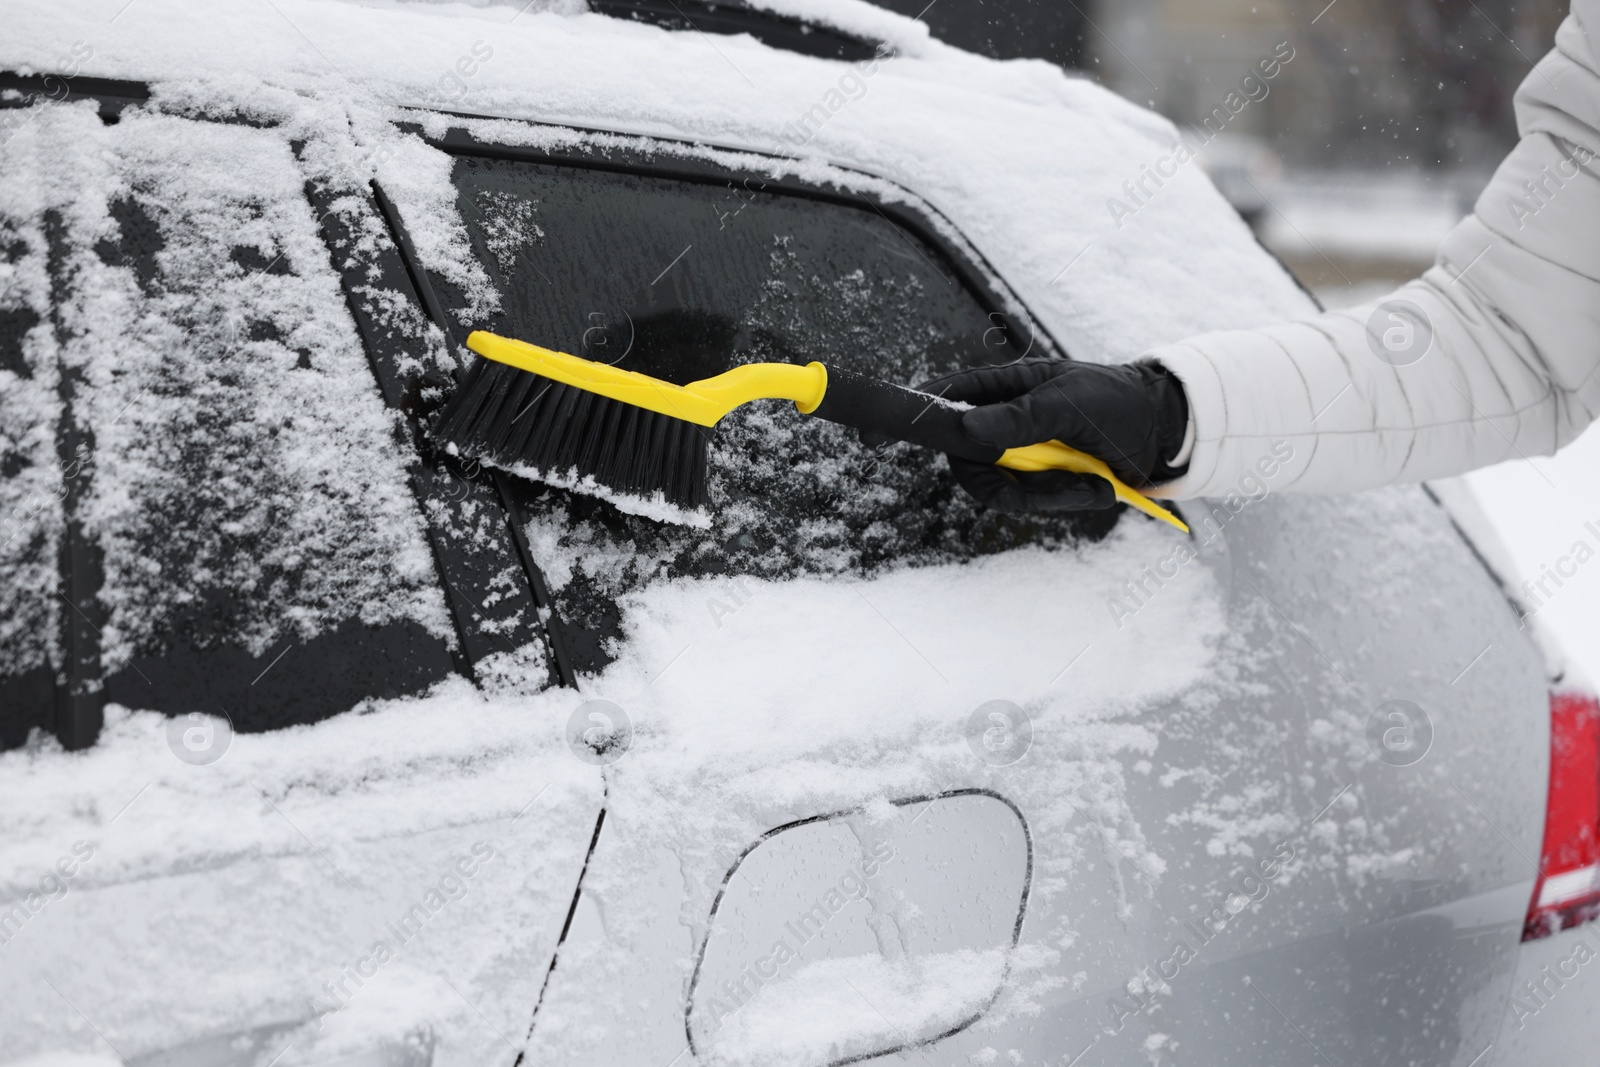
{"type": "Point", "coordinates": [533, 410]}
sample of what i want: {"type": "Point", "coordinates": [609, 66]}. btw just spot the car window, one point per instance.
{"type": "Point", "coordinates": [30, 476]}
{"type": "Point", "coordinates": [684, 279]}
{"type": "Point", "coordinates": [205, 434]}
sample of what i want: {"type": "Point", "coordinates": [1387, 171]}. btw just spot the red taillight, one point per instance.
{"type": "Point", "coordinates": [1568, 889]}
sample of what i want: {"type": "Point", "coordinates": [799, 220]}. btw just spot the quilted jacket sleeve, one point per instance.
{"type": "Point", "coordinates": [1492, 354]}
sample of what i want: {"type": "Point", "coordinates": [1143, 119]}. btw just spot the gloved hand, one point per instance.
{"type": "Point", "coordinates": [1132, 416]}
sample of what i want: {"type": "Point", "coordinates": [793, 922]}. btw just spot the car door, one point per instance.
{"type": "Point", "coordinates": [226, 535]}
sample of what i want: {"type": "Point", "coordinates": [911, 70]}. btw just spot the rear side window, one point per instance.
{"type": "Point", "coordinates": [685, 279]}
{"type": "Point", "coordinates": [214, 468]}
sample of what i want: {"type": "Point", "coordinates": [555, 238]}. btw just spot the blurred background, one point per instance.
{"type": "Point", "coordinates": [1369, 145]}
{"type": "Point", "coordinates": [1373, 141]}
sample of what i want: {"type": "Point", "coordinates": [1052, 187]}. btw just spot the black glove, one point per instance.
{"type": "Point", "coordinates": [1131, 416]}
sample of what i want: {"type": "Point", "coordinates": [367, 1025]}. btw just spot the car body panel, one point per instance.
{"type": "Point", "coordinates": [1373, 866]}
{"type": "Point", "coordinates": [210, 899]}
{"type": "Point", "coordinates": [1549, 1013]}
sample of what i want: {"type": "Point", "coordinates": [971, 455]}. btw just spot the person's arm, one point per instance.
{"type": "Point", "coordinates": [1497, 355]}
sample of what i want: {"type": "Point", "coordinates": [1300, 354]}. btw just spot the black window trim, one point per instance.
{"type": "Point", "coordinates": [562, 673]}
{"type": "Point", "coordinates": [111, 94]}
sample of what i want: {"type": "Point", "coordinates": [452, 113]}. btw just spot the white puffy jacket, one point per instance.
{"type": "Point", "coordinates": [1492, 354]}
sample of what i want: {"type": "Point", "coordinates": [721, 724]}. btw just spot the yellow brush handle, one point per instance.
{"type": "Point", "coordinates": [1053, 455]}
{"type": "Point", "coordinates": [706, 402]}
{"type": "Point", "coordinates": [703, 403]}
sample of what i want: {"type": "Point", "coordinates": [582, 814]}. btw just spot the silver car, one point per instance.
{"type": "Point", "coordinates": [327, 747]}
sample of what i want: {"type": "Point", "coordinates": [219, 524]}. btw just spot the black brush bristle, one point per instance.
{"type": "Point", "coordinates": [512, 418]}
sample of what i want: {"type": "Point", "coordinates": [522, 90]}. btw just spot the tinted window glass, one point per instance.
{"type": "Point", "coordinates": [254, 502]}
{"type": "Point", "coordinates": [251, 543]}
{"type": "Point", "coordinates": [683, 280]}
